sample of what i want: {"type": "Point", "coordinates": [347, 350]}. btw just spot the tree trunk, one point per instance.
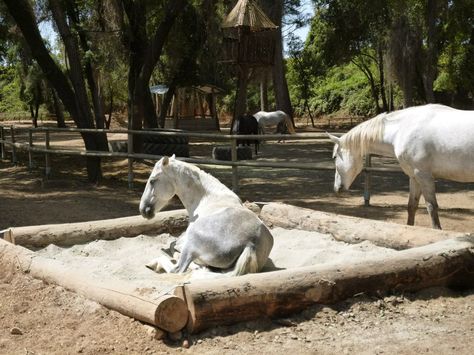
{"type": "Point", "coordinates": [264, 91]}
{"type": "Point", "coordinates": [370, 78]}
{"type": "Point", "coordinates": [75, 100]}
{"type": "Point", "coordinates": [240, 106]}
{"type": "Point", "coordinates": [166, 104]}
{"type": "Point", "coordinates": [385, 107]}
{"type": "Point", "coordinates": [431, 50]}
{"type": "Point", "coordinates": [58, 110]}
{"type": "Point", "coordinates": [97, 142]}
{"type": "Point", "coordinates": [144, 53]}
{"type": "Point", "coordinates": [280, 85]}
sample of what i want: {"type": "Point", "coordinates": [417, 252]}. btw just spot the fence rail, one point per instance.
{"type": "Point", "coordinates": [10, 140]}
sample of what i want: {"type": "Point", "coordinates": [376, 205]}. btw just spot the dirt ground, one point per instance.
{"type": "Point", "coordinates": [40, 318]}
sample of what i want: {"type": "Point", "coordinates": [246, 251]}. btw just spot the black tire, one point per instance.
{"type": "Point", "coordinates": [224, 153]}
{"type": "Point", "coordinates": [166, 145]}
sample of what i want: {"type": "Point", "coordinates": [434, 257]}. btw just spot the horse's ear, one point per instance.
{"type": "Point", "coordinates": [173, 157]}
{"type": "Point", "coordinates": [333, 138]}
{"type": "Point", "coordinates": [165, 161]}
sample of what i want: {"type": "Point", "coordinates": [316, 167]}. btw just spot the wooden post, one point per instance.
{"type": "Point", "coordinates": [47, 168]}
{"type": "Point", "coordinates": [130, 160]}
{"type": "Point", "coordinates": [12, 132]}
{"type": "Point", "coordinates": [30, 145]}
{"type": "Point", "coordinates": [368, 164]}
{"type": "Point", "coordinates": [235, 174]}
{"type": "Point", "coordinates": [2, 144]}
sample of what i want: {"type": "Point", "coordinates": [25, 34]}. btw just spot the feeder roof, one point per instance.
{"type": "Point", "coordinates": [247, 14]}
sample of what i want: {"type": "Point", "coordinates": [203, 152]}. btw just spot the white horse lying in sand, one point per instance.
{"type": "Point", "coordinates": [222, 233]}
{"type": "Point", "coordinates": [431, 141]}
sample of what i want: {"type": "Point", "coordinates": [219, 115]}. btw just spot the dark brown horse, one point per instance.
{"type": "Point", "coordinates": [246, 124]}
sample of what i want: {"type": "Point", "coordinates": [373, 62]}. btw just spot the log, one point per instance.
{"type": "Point", "coordinates": [167, 312]}
{"type": "Point", "coordinates": [68, 234]}
{"type": "Point", "coordinates": [352, 229]}
{"type": "Point", "coordinates": [278, 293]}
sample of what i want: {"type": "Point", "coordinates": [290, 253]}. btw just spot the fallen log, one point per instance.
{"type": "Point", "coordinates": [68, 234]}
{"type": "Point", "coordinates": [165, 311]}
{"type": "Point", "coordinates": [230, 300]}
{"type": "Point", "coordinates": [352, 229]}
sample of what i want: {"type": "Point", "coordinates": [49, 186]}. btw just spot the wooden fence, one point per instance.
{"type": "Point", "coordinates": [8, 138]}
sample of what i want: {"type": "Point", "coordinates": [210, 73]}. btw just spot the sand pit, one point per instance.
{"type": "Point", "coordinates": [309, 263]}
{"type": "Point", "coordinates": [125, 258]}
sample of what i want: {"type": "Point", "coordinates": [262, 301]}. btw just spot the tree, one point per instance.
{"type": "Point", "coordinates": [144, 48]}
{"type": "Point", "coordinates": [71, 89]}
{"type": "Point", "coordinates": [280, 86]}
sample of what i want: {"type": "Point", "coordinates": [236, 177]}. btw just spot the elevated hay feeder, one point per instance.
{"type": "Point", "coordinates": [373, 257]}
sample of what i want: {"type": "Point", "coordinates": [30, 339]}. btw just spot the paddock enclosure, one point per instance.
{"type": "Point", "coordinates": [317, 258]}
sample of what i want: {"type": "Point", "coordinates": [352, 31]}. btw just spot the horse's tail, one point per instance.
{"type": "Point", "coordinates": [289, 125]}
{"type": "Point", "coordinates": [247, 262]}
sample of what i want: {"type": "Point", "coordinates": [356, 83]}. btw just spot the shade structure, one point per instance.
{"type": "Point", "coordinates": [246, 13]}
{"type": "Point", "coordinates": [249, 36]}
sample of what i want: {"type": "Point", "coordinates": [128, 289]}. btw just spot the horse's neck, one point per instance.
{"type": "Point", "coordinates": [197, 190]}
{"type": "Point", "coordinates": [384, 146]}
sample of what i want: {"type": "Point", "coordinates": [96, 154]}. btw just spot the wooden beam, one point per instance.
{"type": "Point", "coordinates": [230, 300]}
{"type": "Point", "coordinates": [76, 233]}
{"type": "Point", "coordinates": [167, 312]}
{"type": "Point", "coordinates": [352, 229]}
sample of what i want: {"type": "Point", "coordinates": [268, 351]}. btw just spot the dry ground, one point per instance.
{"type": "Point", "coordinates": [53, 320]}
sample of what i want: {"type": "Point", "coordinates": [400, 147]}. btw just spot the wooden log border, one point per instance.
{"type": "Point", "coordinates": [352, 229]}
{"type": "Point", "coordinates": [431, 258]}
{"type": "Point", "coordinates": [278, 293]}
{"type": "Point", "coordinates": [69, 234]}
{"type": "Point", "coordinates": [168, 312]}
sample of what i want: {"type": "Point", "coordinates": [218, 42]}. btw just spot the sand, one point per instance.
{"type": "Point", "coordinates": [124, 259]}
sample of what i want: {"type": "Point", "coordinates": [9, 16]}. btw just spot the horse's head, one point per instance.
{"type": "Point", "coordinates": [348, 164]}
{"type": "Point", "coordinates": [159, 189]}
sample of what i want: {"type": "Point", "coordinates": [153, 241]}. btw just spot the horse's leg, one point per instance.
{"type": "Point", "coordinates": [184, 261]}
{"type": "Point", "coordinates": [427, 184]}
{"type": "Point", "coordinates": [413, 200]}
{"type": "Point", "coordinates": [162, 262]}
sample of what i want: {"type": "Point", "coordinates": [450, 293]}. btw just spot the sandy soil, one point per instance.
{"type": "Point", "coordinates": [38, 318]}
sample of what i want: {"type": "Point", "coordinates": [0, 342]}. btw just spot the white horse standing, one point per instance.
{"type": "Point", "coordinates": [431, 141]}
{"type": "Point", "coordinates": [222, 233]}
{"type": "Point", "coordinates": [274, 118]}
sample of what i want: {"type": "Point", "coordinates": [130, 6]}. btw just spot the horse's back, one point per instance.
{"type": "Point", "coordinates": [270, 118]}
{"type": "Point", "coordinates": [439, 139]}
{"type": "Point", "coordinates": [220, 237]}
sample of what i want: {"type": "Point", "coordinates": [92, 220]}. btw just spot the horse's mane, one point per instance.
{"type": "Point", "coordinates": [208, 181]}
{"type": "Point", "coordinates": [360, 137]}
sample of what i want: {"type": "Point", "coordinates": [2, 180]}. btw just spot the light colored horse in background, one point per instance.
{"type": "Point", "coordinates": [274, 118]}
{"type": "Point", "coordinates": [431, 141]}
{"type": "Point", "coordinates": [222, 233]}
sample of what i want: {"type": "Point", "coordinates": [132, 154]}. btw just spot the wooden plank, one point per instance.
{"type": "Point", "coordinates": [352, 229]}
{"type": "Point", "coordinates": [230, 300]}
{"type": "Point", "coordinates": [76, 233]}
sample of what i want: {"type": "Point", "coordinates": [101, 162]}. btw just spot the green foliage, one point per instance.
{"type": "Point", "coordinates": [344, 89]}
{"type": "Point", "coordinates": [10, 91]}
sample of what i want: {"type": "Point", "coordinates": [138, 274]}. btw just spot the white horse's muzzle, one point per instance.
{"type": "Point", "coordinates": [148, 212]}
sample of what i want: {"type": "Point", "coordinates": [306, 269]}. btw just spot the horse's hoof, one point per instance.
{"type": "Point", "coordinates": [154, 265]}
